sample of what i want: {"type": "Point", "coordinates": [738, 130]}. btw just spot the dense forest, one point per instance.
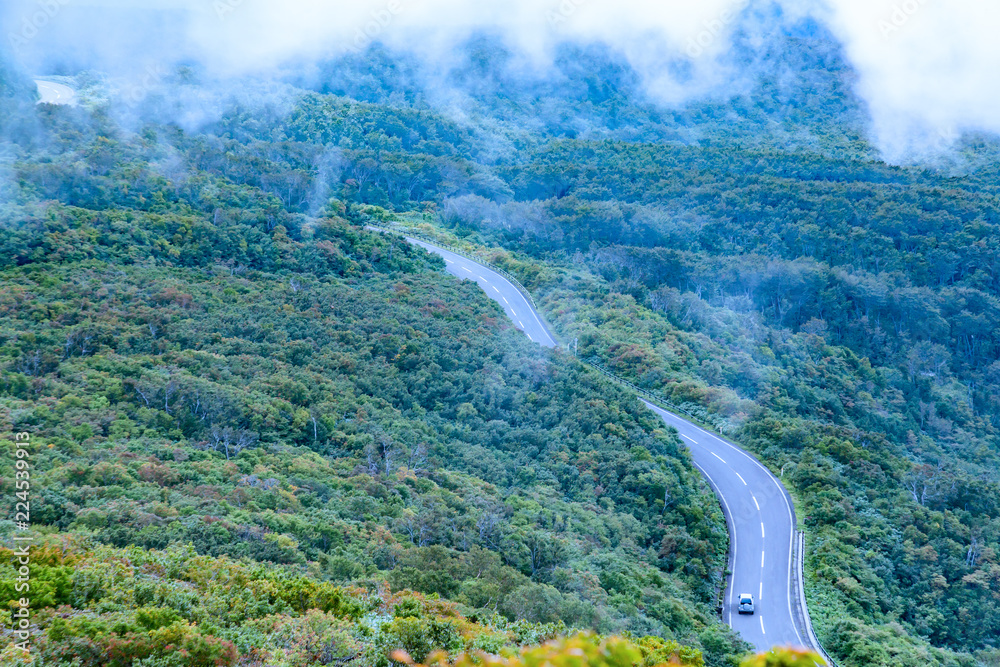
{"type": "Point", "coordinates": [230, 371]}
{"type": "Point", "coordinates": [836, 315]}
{"type": "Point", "coordinates": [276, 438]}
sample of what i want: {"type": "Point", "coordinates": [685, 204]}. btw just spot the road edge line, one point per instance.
{"type": "Point", "coordinates": [796, 561]}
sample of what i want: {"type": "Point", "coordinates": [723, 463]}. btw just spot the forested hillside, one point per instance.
{"type": "Point", "coordinates": [838, 316]}
{"type": "Point", "coordinates": [224, 362]}
{"type": "Point", "coordinates": [275, 438]}
{"type": "Point", "coordinates": [751, 257]}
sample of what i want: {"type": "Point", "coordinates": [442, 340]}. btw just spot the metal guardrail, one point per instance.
{"type": "Point", "coordinates": [799, 543]}
{"type": "Point", "coordinates": [639, 390]}
{"type": "Point", "coordinates": [459, 251]}
{"type": "Point", "coordinates": [797, 583]}
{"type": "Point", "coordinates": [803, 608]}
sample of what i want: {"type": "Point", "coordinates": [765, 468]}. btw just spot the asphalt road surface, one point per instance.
{"type": "Point", "coordinates": [514, 303]}
{"type": "Point", "coordinates": [55, 93]}
{"type": "Point", "coordinates": [758, 511]}
{"type": "Point", "coordinates": [761, 529]}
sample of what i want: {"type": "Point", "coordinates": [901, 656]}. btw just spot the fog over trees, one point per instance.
{"type": "Point", "coordinates": [270, 434]}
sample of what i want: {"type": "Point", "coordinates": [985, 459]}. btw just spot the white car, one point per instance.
{"type": "Point", "coordinates": [746, 603]}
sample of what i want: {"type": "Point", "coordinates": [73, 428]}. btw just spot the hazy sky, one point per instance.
{"type": "Point", "coordinates": [924, 66]}
{"type": "Point", "coordinates": [928, 68]}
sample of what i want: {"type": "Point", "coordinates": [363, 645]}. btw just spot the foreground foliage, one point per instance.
{"type": "Point", "coordinates": [121, 607]}
{"type": "Point", "coordinates": [207, 373]}
{"type": "Point", "coordinates": [220, 358]}
{"type": "Point", "coordinates": [590, 651]}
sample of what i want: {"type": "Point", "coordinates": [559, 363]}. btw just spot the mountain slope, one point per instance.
{"type": "Point", "coordinates": [209, 377]}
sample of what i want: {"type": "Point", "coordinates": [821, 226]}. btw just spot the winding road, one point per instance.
{"type": "Point", "coordinates": [761, 530]}
{"type": "Point", "coordinates": [758, 510]}
{"type": "Point", "coordinates": [54, 93]}
{"type": "Point", "coordinates": [512, 300]}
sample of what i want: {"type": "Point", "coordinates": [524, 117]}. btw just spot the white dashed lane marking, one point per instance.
{"type": "Point", "coordinates": [719, 457]}
{"type": "Point", "coordinates": [741, 478]}
{"type": "Point", "coordinates": [755, 502]}
{"type": "Point", "coordinates": [688, 438]}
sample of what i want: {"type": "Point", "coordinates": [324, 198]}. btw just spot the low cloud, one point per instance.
{"type": "Point", "coordinates": [927, 69]}
{"type": "Point", "coordinates": [243, 36]}
{"type": "Point", "coordinates": [923, 66]}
